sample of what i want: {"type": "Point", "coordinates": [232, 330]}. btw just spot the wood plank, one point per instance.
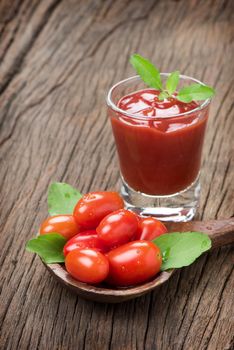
{"type": "Point", "coordinates": [57, 60]}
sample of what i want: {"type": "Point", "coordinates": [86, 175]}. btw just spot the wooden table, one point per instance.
{"type": "Point", "coordinates": [58, 59]}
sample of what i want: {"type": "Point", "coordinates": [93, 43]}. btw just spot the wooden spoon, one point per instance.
{"type": "Point", "coordinates": [221, 233]}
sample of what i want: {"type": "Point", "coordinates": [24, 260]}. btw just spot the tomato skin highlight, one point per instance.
{"type": "Point", "coordinates": [86, 239]}
{"type": "Point", "coordinates": [150, 228]}
{"type": "Point", "coordinates": [133, 263]}
{"type": "Point", "coordinates": [94, 206]}
{"type": "Point", "coordinates": [65, 225]}
{"type": "Point", "coordinates": [118, 228]}
{"type": "Point", "coordinates": [87, 265]}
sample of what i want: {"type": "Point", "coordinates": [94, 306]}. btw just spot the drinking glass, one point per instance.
{"type": "Point", "coordinates": [159, 157]}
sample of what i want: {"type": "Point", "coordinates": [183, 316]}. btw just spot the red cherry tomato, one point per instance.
{"type": "Point", "coordinates": [133, 263]}
{"type": "Point", "coordinates": [150, 228]}
{"type": "Point", "coordinates": [94, 206]}
{"type": "Point", "coordinates": [118, 228]}
{"type": "Point", "coordinates": [87, 265]}
{"type": "Point", "coordinates": [66, 225]}
{"type": "Point", "coordinates": [86, 239]}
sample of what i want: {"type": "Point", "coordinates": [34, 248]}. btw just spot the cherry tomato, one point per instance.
{"type": "Point", "coordinates": [94, 206]}
{"type": "Point", "coordinates": [66, 225]}
{"type": "Point", "coordinates": [87, 265]}
{"type": "Point", "coordinates": [86, 239]}
{"type": "Point", "coordinates": [118, 228]}
{"type": "Point", "coordinates": [150, 228]}
{"type": "Point", "coordinates": [133, 263]}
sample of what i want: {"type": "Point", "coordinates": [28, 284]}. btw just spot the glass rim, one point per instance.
{"type": "Point", "coordinates": [111, 104]}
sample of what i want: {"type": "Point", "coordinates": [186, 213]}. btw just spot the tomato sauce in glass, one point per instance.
{"type": "Point", "coordinates": [160, 152]}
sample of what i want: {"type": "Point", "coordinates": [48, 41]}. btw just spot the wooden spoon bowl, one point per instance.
{"type": "Point", "coordinates": [102, 293]}
{"type": "Point", "coordinates": [221, 233]}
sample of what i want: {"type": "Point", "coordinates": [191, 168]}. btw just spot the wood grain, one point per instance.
{"type": "Point", "coordinates": [57, 60]}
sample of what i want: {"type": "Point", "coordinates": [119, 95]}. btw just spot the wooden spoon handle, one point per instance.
{"type": "Point", "coordinates": [221, 232]}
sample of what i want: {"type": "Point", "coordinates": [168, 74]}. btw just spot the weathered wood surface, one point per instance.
{"type": "Point", "coordinates": [57, 60]}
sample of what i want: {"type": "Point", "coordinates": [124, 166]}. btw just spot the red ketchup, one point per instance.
{"type": "Point", "coordinates": [160, 153]}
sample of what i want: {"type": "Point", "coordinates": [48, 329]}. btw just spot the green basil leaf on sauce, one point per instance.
{"type": "Point", "coordinates": [195, 92]}
{"type": "Point", "coordinates": [147, 71]}
{"type": "Point", "coordinates": [172, 82]}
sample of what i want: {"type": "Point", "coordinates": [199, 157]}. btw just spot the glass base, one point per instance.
{"type": "Point", "coordinates": [177, 207]}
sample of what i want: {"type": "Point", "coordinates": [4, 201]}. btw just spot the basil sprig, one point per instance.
{"type": "Point", "coordinates": [151, 76]}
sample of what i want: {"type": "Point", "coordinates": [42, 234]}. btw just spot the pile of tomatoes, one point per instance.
{"type": "Point", "coordinates": [106, 242]}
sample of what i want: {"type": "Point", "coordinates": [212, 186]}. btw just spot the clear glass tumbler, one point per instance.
{"type": "Point", "coordinates": [159, 157]}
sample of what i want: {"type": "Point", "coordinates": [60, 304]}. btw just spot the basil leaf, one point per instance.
{"type": "Point", "coordinates": [49, 247]}
{"type": "Point", "coordinates": [165, 254]}
{"type": "Point", "coordinates": [195, 92]}
{"type": "Point", "coordinates": [163, 95]}
{"type": "Point", "coordinates": [181, 249]}
{"type": "Point", "coordinates": [172, 82]}
{"type": "Point", "coordinates": [62, 198]}
{"type": "Point", "coordinates": [147, 71]}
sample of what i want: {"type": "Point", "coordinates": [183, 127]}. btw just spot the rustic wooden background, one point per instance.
{"type": "Point", "coordinates": [57, 60]}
